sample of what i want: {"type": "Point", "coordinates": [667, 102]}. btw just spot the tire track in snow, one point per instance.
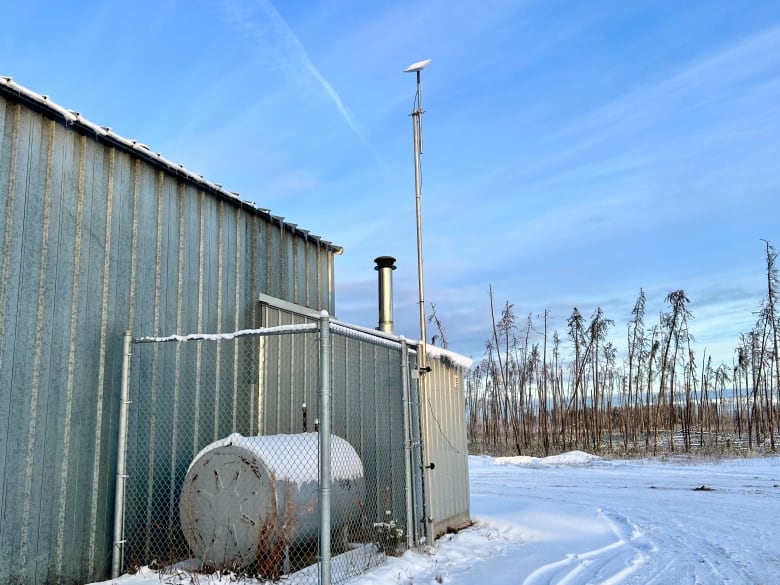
{"type": "Point", "coordinates": [608, 565]}
{"type": "Point", "coordinates": [707, 562]}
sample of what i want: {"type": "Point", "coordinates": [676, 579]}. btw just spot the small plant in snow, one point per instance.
{"type": "Point", "coordinates": [389, 535]}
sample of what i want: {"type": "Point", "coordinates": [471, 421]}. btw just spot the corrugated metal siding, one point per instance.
{"type": "Point", "coordinates": [444, 439]}
{"type": "Point", "coordinates": [288, 379]}
{"type": "Point", "coordinates": [367, 408]}
{"type": "Point", "coordinates": [98, 239]}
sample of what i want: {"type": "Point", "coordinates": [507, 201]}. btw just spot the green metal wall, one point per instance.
{"type": "Point", "coordinates": [96, 238]}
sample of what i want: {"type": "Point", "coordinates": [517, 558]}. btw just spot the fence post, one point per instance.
{"type": "Point", "coordinates": [324, 447]}
{"type": "Point", "coordinates": [121, 460]}
{"type": "Point", "coordinates": [410, 528]}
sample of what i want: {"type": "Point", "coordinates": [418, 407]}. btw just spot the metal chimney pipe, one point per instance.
{"type": "Point", "coordinates": [385, 266]}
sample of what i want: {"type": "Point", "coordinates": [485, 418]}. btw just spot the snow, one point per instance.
{"type": "Point", "coordinates": [438, 353]}
{"type": "Point", "coordinates": [576, 519]}
{"type": "Point", "coordinates": [570, 458]}
{"type": "Point", "coordinates": [278, 330]}
{"type": "Point", "coordinates": [295, 458]}
{"type": "Point", "coordinates": [355, 331]}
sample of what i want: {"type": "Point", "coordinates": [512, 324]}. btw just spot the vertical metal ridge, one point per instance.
{"type": "Point", "coordinates": [134, 243]}
{"type": "Point", "coordinates": [320, 302]}
{"type": "Point", "coordinates": [69, 385]}
{"type": "Point", "coordinates": [294, 244]}
{"type": "Point", "coordinates": [105, 287]}
{"type": "Point", "coordinates": [180, 260]}
{"type": "Point", "coordinates": [6, 257]}
{"type": "Point", "coordinates": [220, 286]}
{"type": "Point", "coordinates": [176, 373]}
{"type": "Point", "coordinates": [35, 386]}
{"type": "Point", "coordinates": [283, 284]}
{"type": "Point", "coordinates": [237, 299]}
{"type": "Point", "coordinates": [158, 252]}
{"type": "Point", "coordinates": [307, 269]}
{"type": "Point", "coordinates": [199, 349]}
{"type": "Point", "coordinates": [236, 317]}
{"type": "Point", "coordinates": [268, 227]}
{"type": "Point", "coordinates": [262, 381]}
{"type": "Point", "coordinates": [9, 216]}
{"type": "Point", "coordinates": [252, 287]}
{"type": "Point", "coordinates": [155, 351]}
{"type": "Point", "coordinates": [331, 284]}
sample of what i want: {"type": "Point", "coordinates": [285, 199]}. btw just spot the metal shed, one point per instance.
{"type": "Point", "coordinates": [101, 235]}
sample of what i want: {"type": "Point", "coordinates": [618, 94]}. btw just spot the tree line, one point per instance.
{"type": "Point", "coordinates": [536, 392]}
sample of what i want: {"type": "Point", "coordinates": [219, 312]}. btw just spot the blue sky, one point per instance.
{"type": "Point", "coordinates": [575, 152]}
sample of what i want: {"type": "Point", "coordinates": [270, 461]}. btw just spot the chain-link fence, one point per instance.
{"type": "Point", "coordinates": [224, 461]}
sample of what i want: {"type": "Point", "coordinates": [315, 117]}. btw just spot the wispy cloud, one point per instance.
{"type": "Point", "coordinates": [723, 77]}
{"type": "Point", "coordinates": [275, 39]}
{"type": "Point", "coordinates": [704, 102]}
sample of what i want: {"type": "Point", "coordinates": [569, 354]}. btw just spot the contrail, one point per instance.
{"type": "Point", "coordinates": [294, 52]}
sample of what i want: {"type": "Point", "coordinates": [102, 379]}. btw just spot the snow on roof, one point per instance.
{"type": "Point", "coordinates": [73, 118]}
{"type": "Point", "coordinates": [439, 353]}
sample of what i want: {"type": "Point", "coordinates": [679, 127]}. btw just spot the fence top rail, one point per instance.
{"type": "Point", "coordinates": [279, 330]}
{"type": "Point", "coordinates": [355, 331]}
{"type": "Point", "coordinates": [367, 336]}
{"type": "Point", "coordinates": [394, 341]}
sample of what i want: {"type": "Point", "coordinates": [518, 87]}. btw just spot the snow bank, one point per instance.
{"type": "Point", "coordinates": [570, 458]}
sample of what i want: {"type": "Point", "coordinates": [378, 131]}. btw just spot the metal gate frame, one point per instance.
{"type": "Point", "coordinates": [413, 476]}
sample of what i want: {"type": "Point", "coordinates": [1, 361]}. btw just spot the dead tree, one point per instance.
{"type": "Point", "coordinates": [636, 343]}
{"type": "Point", "coordinates": [676, 331]}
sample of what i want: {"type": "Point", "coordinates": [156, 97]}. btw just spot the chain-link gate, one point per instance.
{"type": "Point", "coordinates": [223, 457]}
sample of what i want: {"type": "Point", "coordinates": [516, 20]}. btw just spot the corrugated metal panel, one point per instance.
{"type": "Point", "coordinates": [444, 439]}
{"type": "Point", "coordinates": [99, 238]}
{"type": "Point", "coordinates": [289, 366]}
{"type": "Point", "coordinates": [367, 407]}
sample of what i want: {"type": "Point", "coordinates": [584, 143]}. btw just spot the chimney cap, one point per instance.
{"type": "Point", "coordinates": [385, 262]}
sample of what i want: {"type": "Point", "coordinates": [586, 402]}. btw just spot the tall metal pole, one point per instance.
{"type": "Point", "coordinates": [422, 355]}
{"type": "Point", "coordinates": [417, 135]}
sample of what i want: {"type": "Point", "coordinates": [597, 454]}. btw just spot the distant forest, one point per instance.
{"type": "Point", "coordinates": [571, 393]}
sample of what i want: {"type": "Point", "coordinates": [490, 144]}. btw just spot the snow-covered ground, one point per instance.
{"type": "Point", "coordinates": [575, 519]}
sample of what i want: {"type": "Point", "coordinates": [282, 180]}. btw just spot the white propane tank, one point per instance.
{"type": "Point", "coordinates": [239, 492]}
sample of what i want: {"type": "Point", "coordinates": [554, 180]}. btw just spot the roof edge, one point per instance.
{"type": "Point", "coordinates": [73, 118]}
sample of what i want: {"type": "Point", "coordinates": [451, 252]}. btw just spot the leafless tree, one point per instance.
{"type": "Point", "coordinates": [533, 394]}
